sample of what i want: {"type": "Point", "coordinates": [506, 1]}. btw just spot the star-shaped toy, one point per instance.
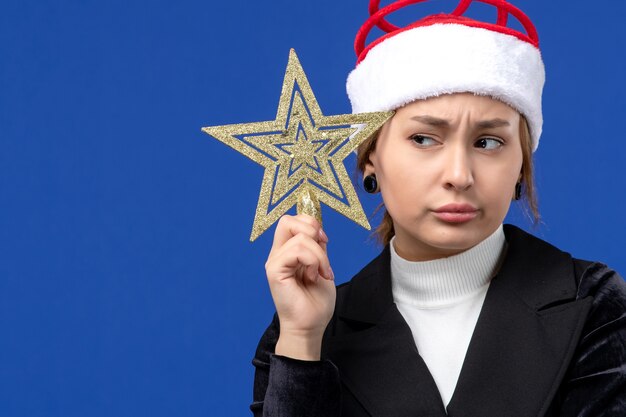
{"type": "Point", "coordinates": [302, 152]}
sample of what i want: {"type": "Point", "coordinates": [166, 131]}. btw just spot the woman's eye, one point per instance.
{"type": "Point", "coordinates": [423, 140]}
{"type": "Point", "coordinates": [488, 143]}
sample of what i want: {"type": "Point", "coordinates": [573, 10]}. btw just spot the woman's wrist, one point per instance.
{"type": "Point", "coordinates": [306, 347]}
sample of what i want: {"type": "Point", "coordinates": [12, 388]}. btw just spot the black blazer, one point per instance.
{"type": "Point", "coordinates": [550, 341]}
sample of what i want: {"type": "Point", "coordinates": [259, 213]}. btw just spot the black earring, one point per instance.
{"type": "Point", "coordinates": [518, 191]}
{"type": "Point", "coordinates": [370, 184]}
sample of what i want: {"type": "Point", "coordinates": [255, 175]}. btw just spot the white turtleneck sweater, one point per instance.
{"type": "Point", "coordinates": [441, 300]}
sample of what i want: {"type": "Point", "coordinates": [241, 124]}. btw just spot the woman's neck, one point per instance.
{"type": "Point", "coordinates": [444, 281]}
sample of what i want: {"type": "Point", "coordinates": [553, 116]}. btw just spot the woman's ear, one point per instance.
{"type": "Point", "coordinates": [367, 160]}
{"type": "Point", "coordinates": [369, 164]}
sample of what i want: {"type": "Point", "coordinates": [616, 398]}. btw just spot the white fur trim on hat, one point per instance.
{"type": "Point", "coordinates": [445, 58]}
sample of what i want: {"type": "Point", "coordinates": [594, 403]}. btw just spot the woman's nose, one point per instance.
{"type": "Point", "coordinates": [458, 170]}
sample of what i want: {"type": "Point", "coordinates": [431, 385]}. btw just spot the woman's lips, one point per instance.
{"type": "Point", "coordinates": [456, 213]}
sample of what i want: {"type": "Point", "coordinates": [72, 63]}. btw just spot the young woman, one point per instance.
{"type": "Point", "coordinates": [459, 315]}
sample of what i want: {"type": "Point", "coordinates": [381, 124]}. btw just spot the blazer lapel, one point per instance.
{"type": "Point", "coordinates": [525, 335]}
{"type": "Point", "coordinates": [519, 352]}
{"type": "Point", "coordinates": [373, 347]}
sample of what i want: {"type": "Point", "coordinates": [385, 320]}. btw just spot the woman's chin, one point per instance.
{"type": "Point", "coordinates": [440, 242]}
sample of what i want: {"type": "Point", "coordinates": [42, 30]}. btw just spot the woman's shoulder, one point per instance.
{"type": "Point", "coordinates": [592, 279]}
{"type": "Point", "coordinates": [578, 279]}
{"type": "Point", "coordinates": [607, 290]}
{"type": "Point", "coordinates": [597, 280]}
{"type": "Point", "coordinates": [598, 368]}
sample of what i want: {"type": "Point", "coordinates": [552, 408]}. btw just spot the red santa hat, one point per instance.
{"type": "Point", "coordinates": [449, 53]}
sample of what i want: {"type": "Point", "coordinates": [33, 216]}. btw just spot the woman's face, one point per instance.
{"type": "Point", "coordinates": [447, 168]}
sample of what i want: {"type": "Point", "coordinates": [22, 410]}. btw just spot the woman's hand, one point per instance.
{"type": "Point", "coordinates": [302, 286]}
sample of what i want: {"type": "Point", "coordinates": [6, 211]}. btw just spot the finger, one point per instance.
{"type": "Point", "coordinates": [323, 236]}
{"type": "Point", "coordinates": [311, 273]}
{"type": "Point", "coordinates": [306, 271]}
{"type": "Point", "coordinates": [300, 250]}
{"type": "Point", "coordinates": [315, 223]}
{"type": "Point", "coordinates": [325, 270]}
{"type": "Point", "coordinates": [292, 255]}
{"type": "Point", "coordinates": [290, 226]}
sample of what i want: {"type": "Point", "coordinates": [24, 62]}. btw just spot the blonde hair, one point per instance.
{"type": "Point", "coordinates": [384, 232]}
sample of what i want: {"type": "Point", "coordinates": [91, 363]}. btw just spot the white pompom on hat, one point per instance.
{"type": "Point", "coordinates": [449, 53]}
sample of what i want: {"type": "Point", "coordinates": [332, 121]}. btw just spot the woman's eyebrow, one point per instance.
{"type": "Point", "coordinates": [490, 124]}
{"type": "Point", "coordinates": [430, 120]}
{"type": "Point", "coordinates": [483, 124]}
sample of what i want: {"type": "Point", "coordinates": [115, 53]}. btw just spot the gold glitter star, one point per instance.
{"type": "Point", "coordinates": [302, 152]}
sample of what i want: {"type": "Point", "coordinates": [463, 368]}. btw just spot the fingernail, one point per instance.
{"type": "Point", "coordinates": [323, 235]}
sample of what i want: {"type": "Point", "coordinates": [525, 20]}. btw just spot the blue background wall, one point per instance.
{"type": "Point", "coordinates": [128, 286]}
